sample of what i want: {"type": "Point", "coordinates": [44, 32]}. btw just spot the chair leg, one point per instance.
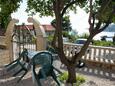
{"type": "Point", "coordinates": [12, 66]}
{"type": "Point", "coordinates": [55, 78]}
{"type": "Point", "coordinates": [10, 63]}
{"type": "Point", "coordinates": [22, 76]}
{"type": "Point", "coordinates": [18, 72]}
{"type": "Point", "coordinates": [37, 79]}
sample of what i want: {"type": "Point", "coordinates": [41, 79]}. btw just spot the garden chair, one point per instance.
{"type": "Point", "coordinates": [44, 59]}
{"type": "Point", "coordinates": [53, 51]}
{"type": "Point", "coordinates": [19, 62]}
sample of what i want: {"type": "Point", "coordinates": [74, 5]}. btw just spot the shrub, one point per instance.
{"type": "Point", "coordinates": [50, 38]}
{"type": "Point", "coordinates": [80, 79]}
{"type": "Point", "coordinates": [102, 43]}
{"type": "Point", "coordinates": [84, 35]}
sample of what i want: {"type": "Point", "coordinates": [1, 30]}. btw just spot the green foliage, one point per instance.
{"type": "Point", "coordinates": [71, 37]}
{"type": "Point", "coordinates": [84, 35]}
{"type": "Point", "coordinates": [66, 25]}
{"type": "Point", "coordinates": [7, 7]}
{"type": "Point", "coordinates": [33, 40]}
{"type": "Point", "coordinates": [65, 34]}
{"type": "Point", "coordinates": [63, 77]}
{"type": "Point", "coordinates": [50, 38]}
{"type": "Point", "coordinates": [80, 79]}
{"type": "Point", "coordinates": [46, 7]}
{"type": "Point", "coordinates": [102, 43]}
{"type": "Point", "coordinates": [102, 9]}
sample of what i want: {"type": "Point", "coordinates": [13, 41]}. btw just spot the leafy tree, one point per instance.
{"type": "Point", "coordinates": [100, 13]}
{"type": "Point", "coordinates": [65, 23]}
{"type": "Point", "coordinates": [7, 7]}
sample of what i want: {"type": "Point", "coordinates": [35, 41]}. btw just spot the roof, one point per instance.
{"type": "Point", "coordinates": [45, 26]}
{"type": "Point", "coordinates": [23, 27]}
{"type": "Point", "coordinates": [48, 27]}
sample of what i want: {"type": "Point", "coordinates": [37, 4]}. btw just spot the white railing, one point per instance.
{"type": "Point", "coordinates": [93, 53]}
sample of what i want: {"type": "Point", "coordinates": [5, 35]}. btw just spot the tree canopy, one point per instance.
{"type": "Point", "coordinates": [101, 14]}
{"type": "Point", "coordinates": [7, 7]}
{"type": "Point", "coordinates": [65, 24]}
{"type": "Point", "coordinates": [48, 6]}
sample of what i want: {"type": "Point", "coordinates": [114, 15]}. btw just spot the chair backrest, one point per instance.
{"type": "Point", "coordinates": [24, 55]}
{"type": "Point", "coordinates": [51, 49]}
{"type": "Point", "coordinates": [42, 58]}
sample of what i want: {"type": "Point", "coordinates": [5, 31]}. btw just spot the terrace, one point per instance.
{"type": "Point", "coordinates": [99, 70]}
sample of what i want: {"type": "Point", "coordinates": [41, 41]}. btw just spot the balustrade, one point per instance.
{"type": "Point", "coordinates": [99, 55]}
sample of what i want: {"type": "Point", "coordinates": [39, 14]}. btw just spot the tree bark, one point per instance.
{"type": "Point", "coordinates": [70, 66]}
{"type": "Point", "coordinates": [83, 49]}
{"type": "Point", "coordinates": [71, 74]}
{"type": "Point", "coordinates": [59, 33]}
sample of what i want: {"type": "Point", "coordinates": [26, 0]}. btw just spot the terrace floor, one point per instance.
{"type": "Point", "coordinates": [94, 77]}
{"type": "Point", "coordinates": [6, 79]}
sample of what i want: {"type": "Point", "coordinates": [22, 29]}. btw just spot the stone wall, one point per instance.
{"type": "Point", "coordinates": [4, 57]}
{"type": "Point", "coordinates": [2, 32]}
{"type": "Point", "coordinates": [2, 42]}
{"type": "Point", "coordinates": [5, 41]}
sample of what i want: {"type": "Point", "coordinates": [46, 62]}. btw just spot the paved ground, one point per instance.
{"type": "Point", "coordinates": [94, 77]}
{"type": "Point", "coordinates": [6, 79]}
{"type": "Point", "coordinates": [97, 77]}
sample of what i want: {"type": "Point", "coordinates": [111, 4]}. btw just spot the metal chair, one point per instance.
{"type": "Point", "coordinates": [51, 49]}
{"type": "Point", "coordinates": [44, 59]}
{"type": "Point", "coordinates": [19, 62]}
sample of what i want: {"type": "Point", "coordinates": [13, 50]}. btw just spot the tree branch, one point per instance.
{"type": "Point", "coordinates": [98, 25]}
{"type": "Point", "coordinates": [90, 17]}
{"type": "Point", "coordinates": [108, 21]}
{"type": "Point", "coordinates": [67, 6]}
{"type": "Point", "coordinates": [93, 16]}
{"type": "Point", "coordinates": [54, 6]}
{"type": "Point", "coordinates": [106, 25]}
{"type": "Point", "coordinates": [105, 4]}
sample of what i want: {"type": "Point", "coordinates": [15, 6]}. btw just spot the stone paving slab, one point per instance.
{"type": "Point", "coordinates": [93, 76]}
{"type": "Point", "coordinates": [6, 79]}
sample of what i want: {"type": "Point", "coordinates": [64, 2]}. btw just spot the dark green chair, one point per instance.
{"type": "Point", "coordinates": [51, 49]}
{"type": "Point", "coordinates": [20, 63]}
{"type": "Point", "coordinates": [44, 59]}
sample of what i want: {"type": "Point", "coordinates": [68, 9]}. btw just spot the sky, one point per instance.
{"type": "Point", "coordinates": [78, 21]}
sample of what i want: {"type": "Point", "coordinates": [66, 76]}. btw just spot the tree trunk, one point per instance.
{"type": "Point", "coordinates": [71, 74]}
{"type": "Point", "coordinates": [54, 40]}
{"type": "Point", "coordinates": [59, 33]}
{"type": "Point", "coordinates": [83, 49]}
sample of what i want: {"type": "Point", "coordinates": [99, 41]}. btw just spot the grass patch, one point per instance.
{"type": "Point", "coordinates": [80, 79]}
